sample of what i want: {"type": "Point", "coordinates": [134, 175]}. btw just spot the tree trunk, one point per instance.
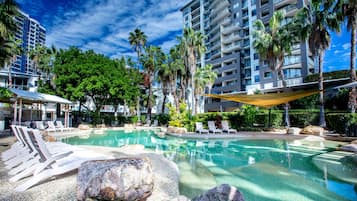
{"type": "Point", "coordinates": [149, 102]}
{"type": "Point", "coordinates": [138, 99]}
{"type": "Point", "coordinates": [163, 104]}
{"type": "Point", "coordinates": [196, 103]}
{"type": "Point", "coordinates": [193, 71]}
{"type": "Point", "coordinates": [353, 94]}
{"type": "Point", "coordinates": [10, 77]}
{"type": "Point", "coordinates": [321, 89]}
{"type": "Point", "coordinates": [286, 106]}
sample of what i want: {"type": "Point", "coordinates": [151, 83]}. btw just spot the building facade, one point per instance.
{"type": "Point", "coordinates": [228, 26]}
{"type": "Point", "coordinates": [31, 33]}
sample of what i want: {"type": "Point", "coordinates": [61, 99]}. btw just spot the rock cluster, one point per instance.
{"type": "Point", "coordinates": [223, 192]}
{"type": "Point", "coordinates": [119, 179]}
{"type": "Point", "coordinates": [313, 130]}
{"type": "Point", "coordinates": [178, 130]}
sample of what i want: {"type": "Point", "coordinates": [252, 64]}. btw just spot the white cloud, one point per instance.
{"type": "Point", "coordinates": [167, 45]}
{"type": "Point", "coordinates": [337, 51]}
{"type": "Point", "coordinates": [346, 46]}
{"type": "Point", "coordinates": [105, 26]}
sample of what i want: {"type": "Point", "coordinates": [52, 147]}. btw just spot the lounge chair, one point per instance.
{"type": "Point", "coordinates": [40, 126]}
{"type": "Point", "coordinates": [212, 128]}
{"type": "Point", "coordinates": [15, 149]}
{"type": "Point", "coordinates": [52, 127]}
{"type": "Point", "coordinates": [52, 165]}
{"type": "Point", "coordinates": [29, 155]}
{"type": "Point", "coordinates": [200, 129]}
{"type": "Point", "coordinates": [60, 126]}
{"type": "Point", "coordinates": [225, 128]}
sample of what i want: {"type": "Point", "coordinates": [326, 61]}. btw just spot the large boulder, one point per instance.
{"type": "Point", "coordinates": [119, 179]}
{"type": "Point", "coordinates": [349, 148]}
{"type": "Point", "coordinates": [312, 130]}
{"type": "Point", "coordinates": [293, 131]}
{"type": "Point", "coordinates": [223, 192]}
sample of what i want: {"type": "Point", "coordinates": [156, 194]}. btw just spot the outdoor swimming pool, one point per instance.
{"type": "Point", "coordinates": [261, 169]}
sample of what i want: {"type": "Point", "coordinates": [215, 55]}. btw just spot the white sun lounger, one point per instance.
{"type": "Point", "coordinates": [16, 148]}
{"type": "Point", "coordinates": [52, 165]}
{"type": "Point", "coordinates": [40, 126]}
{"type": "Point", "coordinates": [60, 126]}
{"type": "Point", "coordinates": [225, 128]}
{"type": "Point", "coordinates": [28, 152]}
{"type": "Point", "coordinates": [212, 128]}
{"type": "Point", "coordinates": [29, 155]}
{"type": "Point", "coordinates": [200, 129]}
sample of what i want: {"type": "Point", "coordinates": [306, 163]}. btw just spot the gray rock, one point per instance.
{"type": "Point", "coordinates": [349, 147]}
{"type": "Point", "coordinates": [223, 192]}
{"type": "Point", "coordinates": [128, 179]}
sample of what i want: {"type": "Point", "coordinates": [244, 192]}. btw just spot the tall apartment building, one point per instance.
{"type": "Point", "coordinates": [228, 26]}
{"type": "Point", "coordinates": [31, 33]}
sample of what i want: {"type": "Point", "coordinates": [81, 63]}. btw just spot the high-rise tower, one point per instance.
{"type": "Point", "coordinates": [228, 26]}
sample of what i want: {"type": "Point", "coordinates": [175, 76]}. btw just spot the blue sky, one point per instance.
{"type": "Point", "coordinates": [104, 26]}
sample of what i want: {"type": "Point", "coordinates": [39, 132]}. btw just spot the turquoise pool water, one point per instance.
{"type": "Point", "coordinates": [261, 169]}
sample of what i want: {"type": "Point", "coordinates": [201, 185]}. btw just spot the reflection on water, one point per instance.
{"type": "Point", "coordinates": [261, 169]}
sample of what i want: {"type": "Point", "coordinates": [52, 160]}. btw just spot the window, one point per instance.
{"type": "Point", "coordinates": [254, 12]}
{"type": "Point", "coordinates": [256, 67]}
{"type": "Point", "coordinates": [292, 73]}
{"type": "Point", "coordinates": [256, 78]}
{"type": "Point", "coordinates": [256, 56]}
{"type": "Point", "coordinates": [288, 60]}
{"type": "Point", "coordinates": [267, 75]}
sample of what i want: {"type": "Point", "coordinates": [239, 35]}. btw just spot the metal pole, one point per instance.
{"type": "Point", "coordinates": [15, 112]}
{"type": "Point", "coordinates": [20, 112]}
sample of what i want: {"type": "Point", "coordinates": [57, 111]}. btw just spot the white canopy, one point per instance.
{"type": "Point", "coordinates": [39, 97]}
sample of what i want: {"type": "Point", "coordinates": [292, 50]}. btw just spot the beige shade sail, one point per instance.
{"type": "Point", "coordinates": [265, 100]}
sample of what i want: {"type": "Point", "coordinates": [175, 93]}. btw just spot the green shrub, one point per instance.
{"type": "Point", "coordinates": [337, 122]}
{"type": "Point", "coordinates": [162, 119]}
{"type": "Point", "coordinates": [302, 119]}
{"type": "Point", "coordinates": [134, 119]}
{"type": "Point", "coordinates": [249, 112]}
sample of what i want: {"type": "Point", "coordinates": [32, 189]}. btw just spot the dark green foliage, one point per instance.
{"type": "Point", "coordinates": [309, 102]}
{"type": "Point", "coordinates": [82, 76]}
{"type": "Point", "coordinates": [302, 119]}
{"type": "Point", "coordinates": [337, 122]}
{"type": "Point", "coordinates": [338, 101]}
{"type": "Point", "coordinates": [5, 93]}
{"type": "Point", "coordinates": [163, 119]}
{"type": "Point", "coordinates": [328, 76]}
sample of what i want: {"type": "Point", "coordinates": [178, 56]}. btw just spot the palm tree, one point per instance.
{"type": "Point", "coordinates": [313, 23]}
{"type": "Point", "coordinates": [8, 11]}
{"type": "Point", "coordinates": [204, 77]}
{"type": "Point", "coordinates": [272, 44]}
{"type": "Point", "coordinates": [348, 9]}
{"type": "Point", "coordinates": [164, 75]}
{"type": "Point", "coordinates": [151, 60]}
{"type": "Point", "coordinates": [192, 47]}
{"type": "Point", "coordinates": [16, 49]}
{"type": "Point", "coordinates": [137, 40]}
{"type": "Point", "coordinates": [168, 75]}
{"type": "Point", "coordinates": [36, 56]}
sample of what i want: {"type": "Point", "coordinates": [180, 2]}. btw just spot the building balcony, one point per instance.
{"type": "Point", "coordinates": [220, 16]}
{"type": "Point", "coordinates": [231, 38]}
{"type": "Point", "coordinates": [281, 3]}
{"type": "Point", "coordinates": [230, 48]}
{"type": "Point", "coordinates": [225, 78]}
{"type": "Point", "coordinates": [230, 29]}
